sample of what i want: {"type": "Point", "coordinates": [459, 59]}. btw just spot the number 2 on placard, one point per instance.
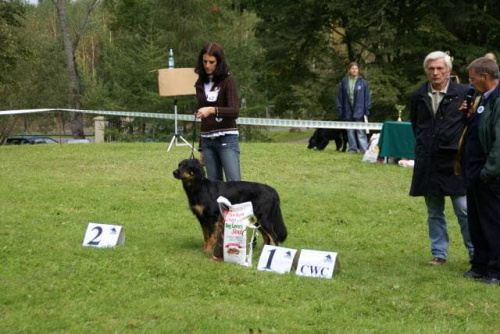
{"type": "Point", "coordinates": [270, 259]}
{"type": "Point", "coordinates": [95, 241]}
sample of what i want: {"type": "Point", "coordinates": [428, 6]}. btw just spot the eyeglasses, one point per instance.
{"type": "Point", "coordinates": [473, 79]}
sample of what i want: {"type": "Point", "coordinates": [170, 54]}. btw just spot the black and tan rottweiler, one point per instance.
{"type": "Point", "coordinates": [202, 195]}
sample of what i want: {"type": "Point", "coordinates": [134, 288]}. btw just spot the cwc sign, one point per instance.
{"type": "Point", "coordinates": [319, 264]}
{"type": "Point", "coordinates": [315, 271]}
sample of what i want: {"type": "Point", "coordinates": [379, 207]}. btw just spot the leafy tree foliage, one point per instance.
{"type": "Point", "coordinates": [140, 35]}
{"type": "Point", "coordinates": [287, 56]}
{"type": "Point", "coordinates": [143, 32]}
{"type": "Point", "coordinates": [11, 47]}
{"type": "Point", "coordinates": [389, 38]}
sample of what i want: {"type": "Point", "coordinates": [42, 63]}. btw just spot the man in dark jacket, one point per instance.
{"type": "Point", "coordinates": [481, 172]}
{"type": "Point", "coordinates": [437, 125]}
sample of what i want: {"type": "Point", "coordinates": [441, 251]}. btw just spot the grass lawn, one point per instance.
{"type": "Point", "coordinates": [159, 281]}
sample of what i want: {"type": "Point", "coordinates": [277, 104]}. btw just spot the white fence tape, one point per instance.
{"type": "Point", "coordinates": [289, 123]}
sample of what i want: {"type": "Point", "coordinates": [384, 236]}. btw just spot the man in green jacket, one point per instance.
{"type": "Point", "coordinates": [481, 171]}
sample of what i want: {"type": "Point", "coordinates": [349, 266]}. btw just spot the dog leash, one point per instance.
{"type": "Point", "coordinates": [194, 135]}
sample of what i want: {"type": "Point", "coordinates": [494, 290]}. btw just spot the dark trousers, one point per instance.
{"type": "Point", "coordinates": [483, 211]}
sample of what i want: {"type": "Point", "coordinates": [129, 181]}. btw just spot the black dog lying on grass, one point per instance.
{"type": "Point", "coordinates": [202, 195]}
{"type": "Point", "coordinates": [322, 137]}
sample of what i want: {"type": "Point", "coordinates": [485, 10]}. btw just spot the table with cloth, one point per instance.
{"type": "Point", "coordinates": [397, 140]}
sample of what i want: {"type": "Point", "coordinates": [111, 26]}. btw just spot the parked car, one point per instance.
{"type": "Point", "coordinates": [30, 140]}
{"type": "Point", "coordinates": [78, 141]}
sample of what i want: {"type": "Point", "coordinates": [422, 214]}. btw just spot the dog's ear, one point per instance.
{"type": "Point", "coordinates": [201, 171]}
{"type": "Point", "coordinates": [196, 169]}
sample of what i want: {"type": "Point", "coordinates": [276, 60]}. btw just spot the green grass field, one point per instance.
{"type": "Point", "coordinates": [159, 281]}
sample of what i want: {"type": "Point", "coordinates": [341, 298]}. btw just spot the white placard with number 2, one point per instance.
{"type": "Point", "coordinates": [103, 235]}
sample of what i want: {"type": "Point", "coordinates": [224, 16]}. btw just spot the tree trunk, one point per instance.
{"type": "Point", "coordinates": [75, 91]}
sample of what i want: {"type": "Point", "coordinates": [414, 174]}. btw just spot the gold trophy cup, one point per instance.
{"type": "Point", "coordinates": [400, 108]}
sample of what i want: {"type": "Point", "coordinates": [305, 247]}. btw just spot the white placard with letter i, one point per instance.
{"type": "Point", "coordinates": [314, 263]}
{"type": "Point", "coordinates": [277, 259]}
{"type": "Point", "coordinates": [103, 235]}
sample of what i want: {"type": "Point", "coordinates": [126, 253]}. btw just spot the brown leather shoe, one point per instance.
{"type": "Point", "coordinates": [437, 261]}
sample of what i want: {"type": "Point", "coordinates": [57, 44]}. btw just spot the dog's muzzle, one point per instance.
{"type": "Point", "coordinates": [177, 174]}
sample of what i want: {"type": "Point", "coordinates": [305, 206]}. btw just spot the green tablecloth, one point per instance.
{"type": "Point", "coordinates": [397, 140]}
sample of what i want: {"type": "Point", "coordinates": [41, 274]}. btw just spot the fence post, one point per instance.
{"type": "Point", "coordinates": [99, 126]}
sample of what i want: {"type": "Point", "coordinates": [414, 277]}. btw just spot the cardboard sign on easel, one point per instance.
{"type": "Point", "coordinates": [103, 235]}
{"type": "Point", "coordinates": [177, 81]}
{"type": "Point", "coordinates": [317, 264]}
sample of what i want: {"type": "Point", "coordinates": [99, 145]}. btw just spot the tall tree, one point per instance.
{"type": "Point", "coordinates": [70, 45]}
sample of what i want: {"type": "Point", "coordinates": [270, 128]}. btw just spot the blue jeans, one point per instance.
{"type": "Point", "coordinates": [222, 154]}
{"type": "Point", "coordinates": [353, 144]}
{"type": "Point", "coordinates": [438, 231]}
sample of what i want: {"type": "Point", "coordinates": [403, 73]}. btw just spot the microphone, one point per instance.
{"type": "Point", "coordinates": [470, 96]}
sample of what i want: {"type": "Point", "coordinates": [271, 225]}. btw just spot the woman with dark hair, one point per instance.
{"type": "Point", "coordinates": [218, 108]}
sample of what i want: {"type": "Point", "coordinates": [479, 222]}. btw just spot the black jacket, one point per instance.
{"type": "Point", "coordinates": [437, 139]}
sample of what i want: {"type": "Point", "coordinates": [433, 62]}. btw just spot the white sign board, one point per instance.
{"type": "Point", "coordinates": [103, 235]}
{"type": "Point", "coordinates": [276, 259]}
{"type": "Point", "coordinates": [318, 264]}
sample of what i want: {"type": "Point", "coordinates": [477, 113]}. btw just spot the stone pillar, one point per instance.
{"type": "Point", "coordinates": [99, 126]}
